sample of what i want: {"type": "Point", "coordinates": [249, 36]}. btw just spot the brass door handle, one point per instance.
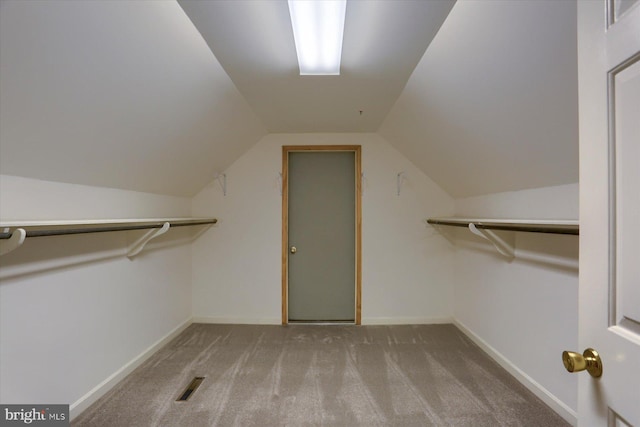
{"type": "Point", "coordinates": [293, 249]}
{"type": "Point", "coordinates": [589, 361]}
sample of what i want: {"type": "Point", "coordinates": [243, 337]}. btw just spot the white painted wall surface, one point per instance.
{"type": "Point", "coordinates": [33, 199]}
{"type": "Point", "coordinates": [407, 267]}
{"type": "Point", "coordinates": [558, 202]}
{"type": "Point", "coordinates": [74, 310]}
{"type": "Point", "coordinates": [525, 312]}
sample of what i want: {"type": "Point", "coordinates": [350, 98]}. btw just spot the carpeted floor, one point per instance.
{"type": "Point", "coordinates": [299, 375]}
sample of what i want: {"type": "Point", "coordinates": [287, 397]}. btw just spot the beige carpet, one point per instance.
{"type": "Point", "coordinates": [422, 375]}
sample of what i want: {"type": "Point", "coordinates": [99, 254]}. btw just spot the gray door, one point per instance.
{"type": "Point", "coordinates": [322, 218]}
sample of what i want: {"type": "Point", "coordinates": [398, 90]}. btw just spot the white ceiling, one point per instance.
{"type": "Point", "coordinates": [127, 94]}
{"type": "Point", "coordinates": [121, 94]}
{"type": "Point", "coordinates": [383, 42]}
{"type": "Point", "coordinates": [493, 104]}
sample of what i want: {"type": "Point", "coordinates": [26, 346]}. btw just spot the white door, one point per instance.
{"type": "Point", "coordinates": [609, 294]}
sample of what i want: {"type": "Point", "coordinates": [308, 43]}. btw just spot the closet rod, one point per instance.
{"type": "Point", "coordinates": [532, 227]}
{"type": "Point", "coordinates": [103, 229]}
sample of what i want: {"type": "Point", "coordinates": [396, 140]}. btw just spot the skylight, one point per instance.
{"type": "Point", "coordinates": [318, 27]}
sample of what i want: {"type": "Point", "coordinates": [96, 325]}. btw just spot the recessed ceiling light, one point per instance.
{"type": "Point", "coordinates": [318, 27]}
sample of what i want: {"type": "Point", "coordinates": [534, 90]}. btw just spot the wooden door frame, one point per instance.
{"type": "Point", "coordinates": [286, 149]}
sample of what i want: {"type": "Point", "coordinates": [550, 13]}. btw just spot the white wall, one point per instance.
{"type": "Point", "coordinates": [74, 310]}
{"type": "Point", "coordinates": [407, 267]}
{"type": "Point", "coordinates": [33, 199]}
{"type": "Point", "coordinates": [524, 312]}
{"type": "Point", "coordinates": [558, 202]}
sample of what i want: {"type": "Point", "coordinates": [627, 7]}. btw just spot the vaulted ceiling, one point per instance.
{"type": "Point", "coordinates": [122, 94]}
{"type": "Point", "coordinates": [159, 96]}
{"type": "Point", "coordinates": [493, 104]}
{"type": "Point", "coordinates": [383, 42]}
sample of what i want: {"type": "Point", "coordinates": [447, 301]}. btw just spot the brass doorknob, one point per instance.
{"type": "Point", "coordinates": [589, 361]}
{"type": "Point", "coordinates": [293, 249]}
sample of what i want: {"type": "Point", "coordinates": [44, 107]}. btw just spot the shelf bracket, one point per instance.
{"type": "Point", "coordinates": [504, 245]}
{"type": "Point", "coordinates": [139, 245]}
{"type": "Point", "coordinates": [14, 242]}
{"type": "Point", "coordinates": [222, 180]}
{"type": "Point", "coordinates": [399, 178]}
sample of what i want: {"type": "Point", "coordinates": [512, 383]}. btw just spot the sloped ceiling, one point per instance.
{"type": "Point", "coordinates": [493, 104]}
{"type": "Point", "coordinates": [383, 42]}
{"type": "Point", "coordinates": [127, 94]}
{"type": "Point", "coordinates": [122, 94]}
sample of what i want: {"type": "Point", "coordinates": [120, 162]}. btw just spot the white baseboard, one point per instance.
{"type": "Point", "coordinates": [239, 320]}
{"type": "Point", "coordinates": [365, 321]}
{"type": "Point", "coordinates": [542, 393]}
{"type": "Point", "coordinates": [101, 389]}
{"type": "Point", "coordinates": [405, 320]}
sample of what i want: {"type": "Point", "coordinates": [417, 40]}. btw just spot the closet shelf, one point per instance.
{"type": "Point", "coordinates": [13, 234]}
{"type": "Point", "coordinates": [534, 226]}
{"type": "Point", "coordinates": [505, 242]}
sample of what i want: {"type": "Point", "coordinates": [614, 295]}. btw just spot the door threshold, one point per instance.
{"type": "Point", "coordinates": [321, 322]}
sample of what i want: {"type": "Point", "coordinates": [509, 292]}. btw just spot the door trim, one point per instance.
{"type": "Point", "coordinates": [286, 149]}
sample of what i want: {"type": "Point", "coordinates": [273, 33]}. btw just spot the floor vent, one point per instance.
{"type": "Point", "coordinates": [191, 388]}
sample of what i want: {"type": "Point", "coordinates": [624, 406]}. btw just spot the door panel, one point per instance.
{"type": "Point", "coordinates": [625, 89]}
{"type": "Point", "coordinates": [619, 7]}
{"type": "Point", "coordinates": [322, 227]}
{"type": "Point", "coordinates": [609, 314]}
